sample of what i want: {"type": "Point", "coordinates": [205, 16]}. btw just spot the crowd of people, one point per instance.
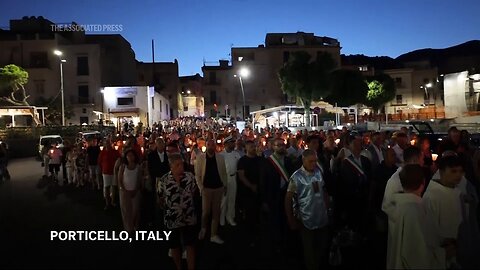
{"type": "Point", "coordinates": [380, 199]}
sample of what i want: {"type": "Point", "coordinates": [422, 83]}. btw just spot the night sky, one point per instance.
{"type": "Point", "coordinates": [193, 30]}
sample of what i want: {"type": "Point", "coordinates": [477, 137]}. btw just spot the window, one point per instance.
{"type": "Point", "coordinates": [84, 110]}
{"type": "Point", "coordinates": [40, 86]}
{"type": "Point", "coordinates": [399, 99]}
{"type": "Point", "coordinates": [398, 82]}
{"type": "Point", "coordinates": [153, 103]}
{"type": "Point", "coordinates": [363, 68]}
{"type": "Point", "coordinates": [83, 95]}
{"type": "Point", "coordinates": [82, 65]}
{"type": "Point", "coordinates": [213, 96]}
{"type": "Point", "coordinates": [213, 77]}
{"type": "Point", "coordinates": [38, 60]}
{"type": "Point", "coordinates": [161, 109]}
{"type": "Point", "coordinates": [185, 108]}
{"type": "Point", "coordinates": [125, 101]}
{"type": "Point", "coordinates": [247, 111]}
{"type": "Point", "coordinates": [83, 120]}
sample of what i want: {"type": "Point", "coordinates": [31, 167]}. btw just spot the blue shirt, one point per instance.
{"type": "Point", "coordinates": [310, 205]}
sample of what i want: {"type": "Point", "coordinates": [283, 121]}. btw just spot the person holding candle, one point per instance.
{"type": "Point", "coordinates": [106, 162]}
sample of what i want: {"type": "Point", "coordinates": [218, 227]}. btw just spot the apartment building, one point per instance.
{"type": "Point", "coordinates": [90, 62]}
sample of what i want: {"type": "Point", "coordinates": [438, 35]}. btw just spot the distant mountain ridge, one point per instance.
{"type": "Point", "coordinates": [465, 56]}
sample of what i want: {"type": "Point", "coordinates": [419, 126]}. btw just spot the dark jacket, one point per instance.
{"type": "Point", "coordinates": [270, 190]}
{"type": "Point", "coordinates": [156, 168]}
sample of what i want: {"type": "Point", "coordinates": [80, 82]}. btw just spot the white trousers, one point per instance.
{"type": "Point", "coordinates": [228, 201]}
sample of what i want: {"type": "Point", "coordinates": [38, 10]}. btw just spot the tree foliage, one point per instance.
{"type": "Point", "coordinates": [347, 87]}
{"type": "Point", "coordinates": [381, 90]}
{"type": "Point", "coordinates": [12, 81]}
{"type": "Point", "coordinates": [306, 79]}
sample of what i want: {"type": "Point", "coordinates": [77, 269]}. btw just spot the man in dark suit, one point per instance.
{"type": "Point", "coordinates": [354, 187]}
{"type": "Point", "coordinates": [276, 172]}
{"type": "Point", "coordinates": [376, 150]}
{"type": "Point", "coordinates": [157, 163]}
{"type": "Point", "coordinates": [353, 202]}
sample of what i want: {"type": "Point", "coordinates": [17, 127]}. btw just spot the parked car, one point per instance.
{"type": "Point", "coordinates": [49, 140]}
{"type": "Point", "coordinates": [85, 136]}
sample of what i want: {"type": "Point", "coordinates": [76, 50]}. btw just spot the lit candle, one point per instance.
{"type": "Point", "coordinates": [219, 141]}
{"type": "Point", "coordinates": [412, 142]}
{"type": "Point", "coordinates": [101, 148]}
{"type": "Point", "coordinates": [204, 148]}
{"type": "Point", "coordinates": [337, 141]}
{"type": "Point", "coordinates": [141, 148]}
{"type": "Point", "coordinates": [434, 157]}
{"type": "Point", "coordinates": [51, 151]}
{"type": "Point", "coordinates": [116, 147]}
{"type": "Point", "coordinates": [264, 143]}
{"type": "Point", "coordinates": [124, 142]}
{"type": "Point", "coordinates": [188, 149]}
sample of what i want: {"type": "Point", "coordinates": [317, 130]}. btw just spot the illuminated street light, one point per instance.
{"type": "Point", "coordinates": [428, 85]}
{"type": "Point", "coordinates": [59, 54]}
{"type": "Point", "coordinates": [189, 92]}
{"type": "Point", "coordinates": [243, 73]}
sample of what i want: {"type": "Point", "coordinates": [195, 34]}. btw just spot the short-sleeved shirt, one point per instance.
{"type": "Point", "coordinates": [309, 200]}
{"type": "Point", "coordinates": [179, 200]}
{"type": "Point", "coordinates": [251, 167]}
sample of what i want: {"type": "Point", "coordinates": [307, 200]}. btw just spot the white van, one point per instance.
{"type": "Point", "coordinates": [49, 140]}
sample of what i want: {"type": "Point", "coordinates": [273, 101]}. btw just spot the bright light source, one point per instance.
{"type": "Point", "coordinates": [275, 114]}
{"type": "Point", "coordinates": [337, 141]}
{"type": "Point", "coordinates": [63, 61]}
{"type": "Point", "coordinates": [204, 148]}
{"type": "Point", "coordinates": [428, 85]}
{"type": "Point", "coordinates": [189, 92]}
{"type": "Point", "coordinates": [407, 121]}
{"type": "Point", "coordinates": [102, 91]}
{"type": "Point", "coordinates": [219, 141]}
{"type": "Point", "coordinates": [57, 52]}
{"type": "Point", "coordinates": [432, 120]}
{"type": "Point", "coordinates": [434, 157]}
{"type": "Point", "coordinates": [244, 72]}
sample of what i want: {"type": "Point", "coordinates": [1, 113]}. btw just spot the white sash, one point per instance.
{"type": "Point", "coordinates": [355, 166]}
{"type": "Point", "coordinates": [280, 169]}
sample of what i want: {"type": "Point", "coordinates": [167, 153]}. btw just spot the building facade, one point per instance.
{"type": "Point", "coordinates": [191, 100]}
{"type": "Point", "coordinates": [163, 76]}
{"type": "Point", "coordinates": [125, 104]}
{"type": "Point", "coordinates": [91, 62]}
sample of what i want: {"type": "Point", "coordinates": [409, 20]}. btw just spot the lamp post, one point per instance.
{"type": "Point", "coordinates": [59, 54]}
{"type": "Point", "coordinates": [244, 72]}
{"type": "Point", "coordinates": [425, 87]}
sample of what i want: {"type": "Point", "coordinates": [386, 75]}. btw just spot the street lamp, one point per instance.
{"type": "Point", "coordinates": [244, 72]}
{"type": "Point", "coordinates": [59, 54]}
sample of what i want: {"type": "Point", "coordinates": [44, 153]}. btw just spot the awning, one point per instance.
{"type": "Point", "coordinates": [124, 110]}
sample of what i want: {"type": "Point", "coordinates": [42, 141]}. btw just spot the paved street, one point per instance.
{"type": "Point", "coordinates": [30, 209]}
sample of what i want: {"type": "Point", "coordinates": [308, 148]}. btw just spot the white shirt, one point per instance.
{"type": "Point", "coordinates": [130, 178]}
{"type": "Point", "coordinates": [394, 186]}
{"type": "Point", "coordinates": [161, 156]}
{"type": "Point", "coordinates": [231, 162]}
{"type": "Point", "coordinates": [399, 154]}
{"type": "Point", "coordinates": [443, 207]}
{"type": "Point", "coordinates": [379, 153]}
